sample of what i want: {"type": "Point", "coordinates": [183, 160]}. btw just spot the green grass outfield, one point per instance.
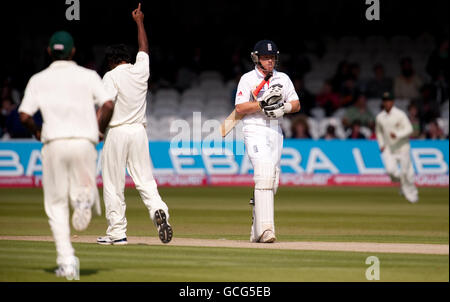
{"type": "Point", "coordinates": [302, 214]}
{"type": "Point", "coordinates": [35, 261]}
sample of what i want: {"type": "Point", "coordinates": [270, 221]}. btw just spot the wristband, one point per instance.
{"type": "Point", "coordinates": [287, 107]}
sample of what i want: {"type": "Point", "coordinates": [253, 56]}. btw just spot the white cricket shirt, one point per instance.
{"type": "Point", "coordinates": [250, 81]}
{"type": "Point", "coordinates": [128, 85]}
{"type": "Point", "coordinates": [397, 122]}
{"type": "Point", "coordinates": [66, 95]}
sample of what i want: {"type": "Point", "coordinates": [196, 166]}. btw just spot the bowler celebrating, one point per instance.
{"type": "Point", "coordinates": [262, 132]}
{"type": "Point", "coordinates": [126, 143]}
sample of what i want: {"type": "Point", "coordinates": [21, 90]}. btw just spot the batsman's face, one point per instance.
{"type": "Point", "coordinates": [268, 62]}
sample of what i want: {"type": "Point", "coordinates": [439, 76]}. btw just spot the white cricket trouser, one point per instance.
{"type": "Point", "coordinates": [405, 174]}
{"type": "Point", "coordinates": [126, 146]}
{"type": "Point", "coordinates": [264, 146]}
{"type": "Point", "coordinates": [68, 173]}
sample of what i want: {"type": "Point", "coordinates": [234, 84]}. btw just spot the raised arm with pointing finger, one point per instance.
{"type": "Point", "coordinates": [126, 144]}
{"type": "Point", "coordinates": [138, 17]}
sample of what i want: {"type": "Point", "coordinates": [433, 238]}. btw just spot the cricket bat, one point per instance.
{"type": "Point", "coordinates": [231, 121]}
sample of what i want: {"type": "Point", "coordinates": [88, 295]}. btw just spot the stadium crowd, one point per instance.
{"type": "Point", "coordinates": [340, 82]}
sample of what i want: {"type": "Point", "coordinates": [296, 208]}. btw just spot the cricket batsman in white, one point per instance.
{"type": "Point", "coordinates": [262, 132]}
{"type": "Point", "coordinates": [393, 130]}
{"type": "Point", "coordinates": [126, 143]}
{"type": "Point", "coordinates": [66, 95]}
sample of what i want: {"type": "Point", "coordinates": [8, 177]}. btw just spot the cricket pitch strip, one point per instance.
{"type": "Point", "coordinates": [402, 248]}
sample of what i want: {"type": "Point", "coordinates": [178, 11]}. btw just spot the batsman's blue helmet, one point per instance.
{"type": "Point", "coordinates": [264, 47]}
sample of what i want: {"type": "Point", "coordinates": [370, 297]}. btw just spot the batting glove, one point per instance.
{"type": "Point", "coordinates": [272, 95]}
{"type": "Point", "coordinates": [275, 110]}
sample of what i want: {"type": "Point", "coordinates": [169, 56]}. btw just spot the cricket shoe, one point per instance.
{"type": "Point", "coordinates": [268, 236]}
{"type": "Point", "coordinates": [412, 200]}
{"type": "Point", "coordinates": [81, 216]}
{"type": "Point", "coordinates": [108, 241]}
{"type": "Point", "coordinates": [69, 271]}
{"type": "Point", "coordinates": [253, 238]}
{"type": "Point", "coordinates": [165, 231]}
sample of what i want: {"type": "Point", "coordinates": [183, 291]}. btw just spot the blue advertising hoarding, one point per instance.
{"type": "Point", "coordinates": [300, 158]}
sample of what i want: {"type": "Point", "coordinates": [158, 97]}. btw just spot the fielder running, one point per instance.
{"type": "Point", "coordinates": [66, 95]}
{"type": "Point", "coordinates": [262, 132]}
{"type": "Point", "coordinates": [393, 129]}
{"type": "Point", "coordinates": [126, 144]}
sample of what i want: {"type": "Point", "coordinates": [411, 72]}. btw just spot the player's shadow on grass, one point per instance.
{"type": "Point", "coordinates": [83, 271]}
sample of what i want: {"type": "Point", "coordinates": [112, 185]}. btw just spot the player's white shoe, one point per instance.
{"type": "Point", "coordinates": [69, 271]}
{"type": "Point", "coordinates": [81, 216]}
{"type": "Point", "coordinates": [106, 240]}
{"type": "Point", "coordinates": [412, 200]}
{"type": "Point", "coordinates": [268, 236]}
{"type": "Point", "coordinates": [253, 237]}
{"type": "Point", "coordinates": [165, 231]}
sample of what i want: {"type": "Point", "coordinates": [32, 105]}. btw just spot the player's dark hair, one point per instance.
{"type": "Point", "coordinates": [59, 55]}
{"type": "Point", "coordinates": [115, 54]}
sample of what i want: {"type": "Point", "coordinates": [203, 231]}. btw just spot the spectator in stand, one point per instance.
{"type": "Point", "coordinates": [355, 71]}
{"type": "Point", "coordinates": [350, 85]}
{"type": "Point", "coordinates": [347, 92]}
{"type": "Point", "coordinates": [429, 108]}
{"type": "Point", "coordinates": [356, 131]}
{"type": "Point", "coordinates": [438, 69]}
{"type": "Point", "coordinates": [379, 84]}
{"type": "Point", "coordinates": [440, 89]}
{"type": "Point", "coordinates": [437, 66]}
{"type": "Point", "coordinates": [8, 92]}
{"type": "Point", "coordinates": [413, 115]}
{"type": "Point", "coordinates": [330, 133]}
{"type": "Point", "coordinates": [306, 97]}
{"type": "Point", "coordinates": [407, 85]}
{"type": "Point", "coordinates": [300, 65]}
{"type": "Point", "coordinates": [3, 113]}
{"type": "Point", "coordinates": [342, 74]}
{"type": "Point", "coordinates": [13, 127]}
{"type": "Point", "coordinates": [328, 99]}
{"type": "Point", "coordinates": [238, 64]}
{"type": "Point", "coordinates": [360, 112]}
{"type": "Point", "coordinates": [434, 131]}
{"type": "Point", "coordinates": [355, 74]}
{"type": "Point", "coordinates": [300, 128]}
{"type": "Point", "coordinates": [7, 107]}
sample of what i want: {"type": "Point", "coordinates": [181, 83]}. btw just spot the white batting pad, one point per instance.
{"type": "Point", "coordinates": [264, 175]}
{"type": "Point", "coordinates": [264, 212]}
{"type": "Point", "coordinates": [277, 180]}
